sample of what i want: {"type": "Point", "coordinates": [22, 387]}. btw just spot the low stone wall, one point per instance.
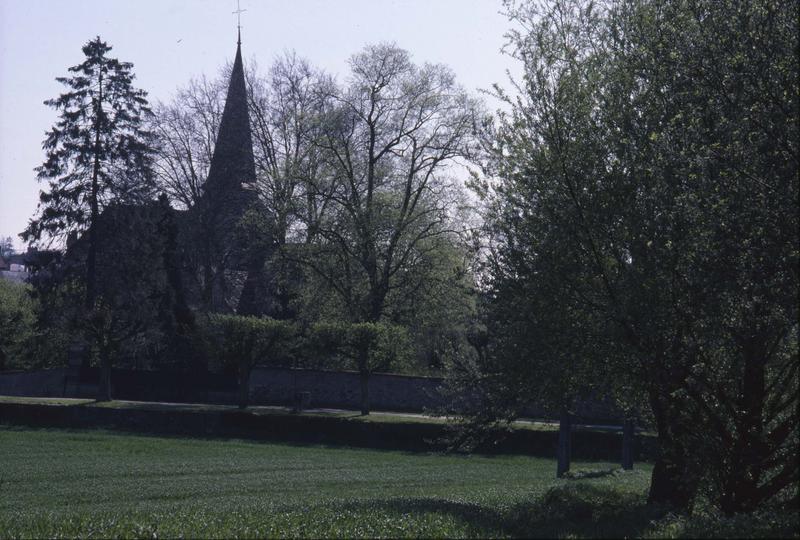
{"type": "Point", "coordinates": [41, 383]}
{"type": "Point", "coordinates": [136, 385]}
{"type": "Point", "coordinates": [268, 386]}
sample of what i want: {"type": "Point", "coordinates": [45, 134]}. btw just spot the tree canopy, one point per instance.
{"type": "Point", "coordinates": [645, 226]}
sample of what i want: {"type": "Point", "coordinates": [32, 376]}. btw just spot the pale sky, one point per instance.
{"type": "Point", "coordinates": [171, 41]}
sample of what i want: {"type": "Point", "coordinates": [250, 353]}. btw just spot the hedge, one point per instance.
{"type": "Point", "coordinates": [309, 429]}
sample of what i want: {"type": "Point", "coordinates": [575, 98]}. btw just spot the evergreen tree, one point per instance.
{"type": "Point", "coordinates": [97, 153]}
{"type": "Point", "coordinates": [98, 156]}
{"type": "Point", "coordinates": [6, 247]}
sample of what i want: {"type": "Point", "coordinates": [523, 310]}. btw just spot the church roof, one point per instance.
{"type": "Point", "coordinates": [232, 164]}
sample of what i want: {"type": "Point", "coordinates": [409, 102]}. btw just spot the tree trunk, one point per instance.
{"type": "Point", "coordinates": [104, 386]}
{"type": "Point", "coordinates": [740, 491]}
{"type": "Point", "coordinates": [627, 444]}
{"type": "Point", "coordinates": [673, 483]}
{"type": "Point", "coordinates": [208, 287]}
{"type": "Point", "coordinates": [669, 485]}
{"type": "Point", "coordinates": [363, 372]}
{"type": "Point", "coordinates": [564, 443]}
{"type": "Point", "coordinates": [364, 377]}
{"type": "Point", "coordinates": [244, 385]}
{"type": "Point", "coordinates": [91, 256]}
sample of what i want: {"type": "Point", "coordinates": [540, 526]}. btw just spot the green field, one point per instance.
{"type": "Point", "coordinates": [99, 484]}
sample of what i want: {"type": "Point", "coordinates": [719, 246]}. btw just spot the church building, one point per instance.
{"type": "Point", "coordinates": [232, 260]}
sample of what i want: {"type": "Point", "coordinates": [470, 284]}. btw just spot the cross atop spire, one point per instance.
{"type": "Point", "coordinates": [238, 14]}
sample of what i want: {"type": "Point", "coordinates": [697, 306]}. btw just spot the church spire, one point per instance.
{"type": "Point", "coordinates": [226, 196]}
{"type": "Point", "coordinates": [232, 164]}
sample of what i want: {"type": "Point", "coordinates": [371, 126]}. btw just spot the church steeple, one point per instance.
{"type": "Point", "coordinates": [226, 196]}
{"type": "Point", "coordinates": [232, 164]}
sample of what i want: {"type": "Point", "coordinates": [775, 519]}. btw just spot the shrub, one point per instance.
{"type": "Point", "coordinates": [244, 342]}
{"type": "Point", "coordinates": [17, 325]}
{"type": "Point", "coordinates": [338, 345]}
{"type": "Point", "coordinates": [368, 347]}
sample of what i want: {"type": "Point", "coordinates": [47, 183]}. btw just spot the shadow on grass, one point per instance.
{"type": "Point", "coordinates": [572, 510]}
{"type": "Point", "coordinates": [595, 473]}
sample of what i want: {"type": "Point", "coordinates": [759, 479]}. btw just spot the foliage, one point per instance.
{"type": "Point", "coordinates": [17, 324]}
{"type": "Point", "coordinates": [132, 286]}
{"type": "Point", "coordinates": [34, 330]}
{"type": "Point", "coordinates": [249, 340]}
{"type": "Point", "coordinates": [285, 108]}
{"type": "Point", "coordinates": [98, 157]}
{"type": "Point", "coordinates": [6, 247]}
{"type": "Point", "coordinates": [58, 295]}
{"type": "Point", "coordinates": [442, 306]}
{"type": "Point", "coordinates": [244, 342]}
{"type": "Point", "coordinates": [646, 230]}
{"type": "Point", "coordinates": [185, 130]}
{"type": "Point", "coordinates": [140, 318]}
{"type": "Point", "coordinates": [307, 224]}
{"type": "Point", "coordinates": [386, 139]}
{"type": "Point", "coordinates": [340, 344]}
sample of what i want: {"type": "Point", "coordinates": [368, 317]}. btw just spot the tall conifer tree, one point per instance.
{"type": "Point", "coordinates": [97, 153]}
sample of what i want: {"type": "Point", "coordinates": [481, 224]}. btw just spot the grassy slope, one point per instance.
{"type": "Point", "coordinates": [103, 484]}
{"type": "Point", "coordinates": [81, 482]}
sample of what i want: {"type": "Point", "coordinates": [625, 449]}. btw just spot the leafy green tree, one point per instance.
{"type": "Point", "coordinates": [6, 247]}
{"type": "Point", "coordinates": [369, 347]}
{"type": "Point", "coordinates": [646, 231]}
{"type": "Point", "coordinates": [245, 342]}
{"type": "Point", "coordinates": [17, 324]}
{"type": "Point", "coordinates": [136, 313]}
{"type": "Point", "coordinates": [436, 304]}
{"type": "Point", "coordinates": [385, 141]}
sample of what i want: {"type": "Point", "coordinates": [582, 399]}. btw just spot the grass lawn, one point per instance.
{"type": "Point", "coordinates": [103, 484]}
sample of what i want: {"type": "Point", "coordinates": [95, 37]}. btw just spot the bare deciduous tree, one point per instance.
{"type": "Point", "coordinates": [285, 108]}
{"type": "Point", "coordinates": [186, 129]}
{"type": "Point", "coordinates": [389, 138]}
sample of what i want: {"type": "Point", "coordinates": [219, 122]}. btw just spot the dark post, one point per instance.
{"type": "Point", "coordinates": [564, 443]}
{"type": "Point", "coordinates": [364, 378]}
{"type": "Point", "coordinates": [627, 444]}
{"type": "Point", "coordinates": [244, 383]}
{"type": "Point", "coordinates": [78, 355]}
